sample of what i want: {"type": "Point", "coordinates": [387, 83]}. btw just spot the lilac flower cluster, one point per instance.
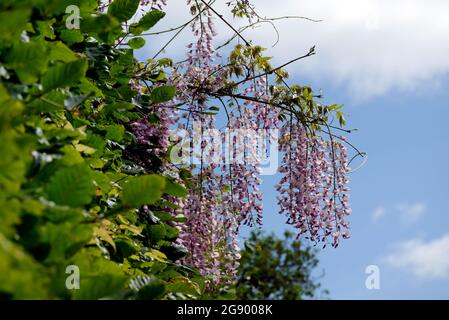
{"type": "Point", "coordinates": [246, 194]}
{"type": "Point", "coordinates": [158, 4]}
{"type": "Point", "coordinates": [211, 230]}
{"type": "Point", "coordinates": [313, 189]}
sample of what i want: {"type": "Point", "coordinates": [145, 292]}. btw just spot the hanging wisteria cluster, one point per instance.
{"type": "Point", "coordinates": [313, 191]}
{"type": "Point", "coordinates": [211, 229]}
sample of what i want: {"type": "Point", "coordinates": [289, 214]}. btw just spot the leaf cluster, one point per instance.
{"type": "Point", "coordinates": [73, 190]}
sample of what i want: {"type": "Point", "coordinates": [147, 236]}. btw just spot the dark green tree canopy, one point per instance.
{"type": "Point", "coordinates": [274, 268]}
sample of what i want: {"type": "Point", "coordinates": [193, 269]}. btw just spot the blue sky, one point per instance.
{"type": "Point", "coordinates": [388, 63]}
{"type": "Point", "coordinates": [405, 182]}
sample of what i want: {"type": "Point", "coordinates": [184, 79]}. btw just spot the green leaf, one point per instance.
{"type": "Point", "coordinates": [97, 142]}
{"type": "Point", "coordinates": [29, 60]}
{"type": "Point", "coordinates": [99, 24]}
{"type": "Point", "coordinates": [21, 277]}
{"type": "Point", "coordinates": [63, 75]}
{"type": "Point", "coordinates": [72, 186]}
{"type": "Point", "coordinates": [45, 29]}
{"type": "Point", "coordinates": [65, 239]}
{"type": "Point", "coordinates": [13, 23]}
{"type": "Point", "coordinates": [60, 215]}
{"type": "Point", "coordinates": [86, 6]}
{"type": "Point", "coordinates": [163, 94]}
{"type": "Point", "coordinates": [101, 180]}
{"type": "Point", "coordinates": [51, 101]}
{"type": "Point", "coordinates": [123, 10]}
{"type": "Point", "coordinates": [184, 285]}
{"type": "Point", "coordinates": [126, 247]}
{"type": "Point", "coordinates": [153, 289]}
{"type": "Point", "coordinates": [156, 255]}
{"type": "Point", "coordinates": [146, 22]}
{"type": "Point", "coordinates": [71, 36]}
{"type": "Point", "coordinates": [175, 251]}
{"type": "Point", "coordinates": [74, 101]}
{"type": "Point", "coordinates": [341, 118]}
{"type": "Point", "coordinates": [60, 52]}
{"type": "Point", "coordinates": [4, 96]}
{"type": "Point", "coordinates": [121, 107]}
{"type": "Point", "coordinates": [162, 216]}
{"type": "Point", "coordinates": [99, 277]}
{"type": "Point", "coordinates": [136, 43]}
{"type": "Point", "coordinates": [175, 189]}
{"type": "Point", "coordinates": [157, 232]}
{"type": "Point", "coordinates": [99, 286]}
{"type": "Point", "coordinates": [171, 232]}
{"type": "Point", "coordinates": [138, 191]}
{"type": "Point", "coordinates": [114, 132]}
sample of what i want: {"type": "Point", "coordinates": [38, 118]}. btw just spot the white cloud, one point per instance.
{"type": "Point", "coordinates": [368, 47]}
{"type": "Point", "coordinates": [411, 212]}
{"type": "Point", "coordinates": [377, 214]}
{"type": "Point", "coordinates": [424, 259]}
{"type": "Point", "coordinates": [372, 46]}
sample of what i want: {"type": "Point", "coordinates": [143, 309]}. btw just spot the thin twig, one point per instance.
{"type": "Point", "coordinates": [310, 53]}
{"type": "Point", "coordinates": [228, 24]}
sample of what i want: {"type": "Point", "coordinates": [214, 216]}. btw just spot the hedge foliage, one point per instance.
{"type": "Point", "coordinates": [73, 187]}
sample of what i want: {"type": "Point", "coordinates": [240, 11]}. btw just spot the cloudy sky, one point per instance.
{"type": "Point", "coordinates": [388, 63]}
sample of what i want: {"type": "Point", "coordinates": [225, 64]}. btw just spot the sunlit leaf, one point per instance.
{"type": "Point", "coordinates": [72, 186]}
{"type": "Point", "coordinates": [138, 191]}
{"type": "Point", "coordinates": [123, 10]}
{"type": "Point", "coordinates": [63, 75]}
